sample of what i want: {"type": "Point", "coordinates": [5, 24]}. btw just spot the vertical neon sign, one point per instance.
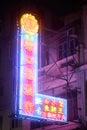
{"type": "Point", "coordinates": [28, 63]}
{"type": "Point", "coordinates": [31, 103]}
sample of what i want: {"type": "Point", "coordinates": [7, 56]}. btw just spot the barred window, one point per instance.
{"type": "Point", "coordinates": [67, 47]}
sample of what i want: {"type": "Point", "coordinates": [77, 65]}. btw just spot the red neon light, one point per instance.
{"type": "Point", "coordinates": [53, 109]}
{"type": "Point", "coordinates": [46, 108]}
{"type": "Point", "coordinates": [28, 73]}
{"type": "Point", "coordinates": [46, 101]}
{"type": "Point", "coordinates": [60, 110]}
{"type": "Point", "coordinates": [60, 104]}
{"type": "Point", "coordinates": [28, 89]}
{"type": "Point", "coordinates": [53, 115]}
{"type": "Point", "coordinates": [28, 107]}
{"type": "Point", "coordinates": [28, 45]}
{"type": "Point", "coordinates": [28, 60]}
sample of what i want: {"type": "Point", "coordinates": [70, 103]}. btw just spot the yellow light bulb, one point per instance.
{"type": "Point", "coordinates": [29, 24]}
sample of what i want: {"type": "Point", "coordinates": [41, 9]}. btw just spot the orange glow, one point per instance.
{"type": "Point", "coordinates": [46, 108]}
{"type": "Point", "coordinates": [29, 59]}
{"type": "Point", "coordinates": [60, 110]}
{"type": "Point", "coordinates": [60, 104]}
{"type": "Point", "coordinates": [29, 24]}
{"type": "Point", "coordinates": [28, 73]}
{"type": "Point", "coordinates": [28, 107]}
{"type": "Point", "coordinates": [46, 101]}
{"type": "Point", "coordinates": [53, 109]}
{"type": "Point", "coordinates": [53, 102]}
{"type": "Point", "coordinates": [29, 45]}
{"type": "Point", "coordinates": [28, 89]}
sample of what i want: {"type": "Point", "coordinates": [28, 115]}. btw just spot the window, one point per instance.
{"type": "Point", "coordinates": [47, 58]}
{"type": "Point", "coordinates": [63, 47]}
{"type": "Point", "coordinates": [67, 47]}
{"type": "Point", "coordinates": [73, 44]}
{"type": "Point", "coordinates": [60, 52]}
{"type": "Point", "coordinates": [65, 52]}
{"type": "Point", "coordinates": [72, 50]}
{"type": "Point", "coordinates": [71, 31]}
{"type": "Point", "coordinates": [44, 56]}
{"type": "Point", "coordinates": [1, 122]}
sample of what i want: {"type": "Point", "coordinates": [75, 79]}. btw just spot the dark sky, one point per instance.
{"type": "Point", "coordinates": [58, 7]}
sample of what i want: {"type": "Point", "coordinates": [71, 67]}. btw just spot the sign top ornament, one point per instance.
{"type": "Point", "coordinates": [29, 24]}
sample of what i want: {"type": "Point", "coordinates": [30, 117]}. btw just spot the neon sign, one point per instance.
{"type": "Point", "coordinates": [30, 102]}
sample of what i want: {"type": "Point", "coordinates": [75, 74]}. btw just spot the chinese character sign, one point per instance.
{"type": "Point", "coordinates": [49, 107]}
{"type": "Point", "coordinates": [28, 64]}
{"type": "Point", "coordinates": [30, 102]}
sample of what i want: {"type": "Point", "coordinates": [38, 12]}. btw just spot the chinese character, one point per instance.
{"type": "Point", "coordinates": [28, 73]}
{"type": "Point", "coordinates": [60, 107]}
{"type": "Point", "coordinates": [60, 110]}
{"type": "Point", "coordinates": [46, 108]}
{"type": "Point", "coordinates": [49, 115]}
{"type": "Point", "coordinates": [28, 59]}
{"type": "Point", "coordinates": [28, 107]}
{"type": "Point", "coordinates": [53, 102]}
{"type": "Point", "coordinates": [28, 89]}
{"type": "Point", "coordinates": [28, 45]}
{"type": "Point", "coordinates": [53, 115]}
{"type": "Point", "coordinates": [53, 109]}
{"type": "Point", "coordinates": [46, 101]}
{"type": "Point", "coordinates": [62, 117]}
{"type": "Point", "coordinates": [60, 104]}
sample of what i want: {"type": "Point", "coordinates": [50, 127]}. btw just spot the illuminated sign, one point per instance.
{"type": "Point", "coordinates": [51, 108]}
{"type": "Point", "coordinates": [30, 103]}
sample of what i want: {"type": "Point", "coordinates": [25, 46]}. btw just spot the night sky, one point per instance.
{"type": "Point", "coordinates": [57, 7]}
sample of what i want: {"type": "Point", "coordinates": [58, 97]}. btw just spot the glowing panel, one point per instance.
{"type": "Point", "coordinates": [30, 102]}
{"type": "Point", "coordinates": [51, 108]}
